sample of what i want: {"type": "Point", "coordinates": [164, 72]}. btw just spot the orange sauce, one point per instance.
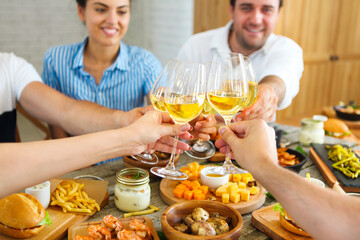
{"type": "Point", "coordinates": [214, 175]}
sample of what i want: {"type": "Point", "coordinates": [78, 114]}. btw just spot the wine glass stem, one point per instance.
{"type": "Point", "coordinates": [171, 165]}
{"type": "Point", "coordinates": [228, 154]}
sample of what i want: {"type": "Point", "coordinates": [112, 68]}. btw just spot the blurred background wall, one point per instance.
{"type": "Point", "coordinates": [30, 27]}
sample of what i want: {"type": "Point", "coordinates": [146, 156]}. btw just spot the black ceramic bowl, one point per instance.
{"type": "Point", "coordinates": [346, 116]}
{"type": "Point", "coordinates": [302, 159]}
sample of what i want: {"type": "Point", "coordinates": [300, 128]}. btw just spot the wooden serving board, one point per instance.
{"type": "Point", "coordinates": [167, 187]}
{"type": "Point", "coordinates": [60, 221]}
{"type": "Point", "coordinates": [328, 174]}
{"type": "Point", "coordinates": [267, 220]}
{"type": "Point", "coordinates": [81, 228]}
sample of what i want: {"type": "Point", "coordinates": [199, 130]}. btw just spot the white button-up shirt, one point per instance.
{"type": "Point", "coordinates": [280, 56]}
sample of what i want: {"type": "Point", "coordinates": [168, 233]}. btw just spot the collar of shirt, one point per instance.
{"type": "Point", "coordinates": [221, 44]}
{"type": "Point", "coordinates": [121, 61]}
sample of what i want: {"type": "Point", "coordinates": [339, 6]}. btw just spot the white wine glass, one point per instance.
{"type": "Point", "coordinates": [252, 82]}
{"type": "Point", "coordinates": [201, 149]}
{"type": "Point", "coordinates": [228, 93]}
{"type": "Point", "coordinates": [184, 96]}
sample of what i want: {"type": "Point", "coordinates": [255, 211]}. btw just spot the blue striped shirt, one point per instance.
{"type": "Point", "coordinates": [123, 86]}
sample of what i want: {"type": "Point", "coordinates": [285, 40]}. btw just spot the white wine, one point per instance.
{"type": "Point", "coordinates": [158, 103]}
{"type": "Point", "coordinates": [253, 91]}
{"type": "Point", "coordinates": [208, 109]}
{"type": "Point", "coordinates": [183, 109]}
{"type": "Point", "coordinates": [228, 103]}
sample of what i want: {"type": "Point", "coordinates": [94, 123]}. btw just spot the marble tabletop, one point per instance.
{"type": "Point", "coordinates": [107, 172]}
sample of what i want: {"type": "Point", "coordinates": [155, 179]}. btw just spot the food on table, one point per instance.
{"type": "Point", "coordinates": [285, 158]}
{"type": "Point", "coordinates": [288, 223]}
{"type": "Point", "coordinates": [132, 190]}
{"type": "Point", "coordinates": [351, 108]}
{"type": "Point", "coordinates": [345, 160]}
{"type": "Point", "coordinates": [112, 228]}
{"type": "Point", "coordinates": [336, 128]}
{"type": "Point", "coordinates": [71, 197]}
{"type": "Point", "coordinates": [239, 188]}
{"type": "Point", "coordinates": [201, 223]}
{"type": "Point", "coordinates": [143, 212]}
{"type": "Point", "coordinates": [22, 216]}
{"type": "Point", "coordinates": [190, 190]}
{"type": "Point", "coordinates": [192, 170]}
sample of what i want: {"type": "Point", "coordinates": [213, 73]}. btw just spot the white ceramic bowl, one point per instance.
{"type": "Point", "coordinates": [41, 192]}
{"type": "Point", "coordinates": [212, 181]}
{"type": "Point", "coordinates": [317, 182]}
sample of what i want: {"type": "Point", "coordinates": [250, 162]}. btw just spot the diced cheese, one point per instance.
{"type": "Point", "coordinates": [242, 185]}
{"type": "Point", "coordinates": [245, 195]}
{"type": "Point", "coordinates": [225, 198]}
{"type": "Point", "coordinates": [236, 178]}
{"type": "Point", "coordinates": [235, 197]}
{"type": "Point", "coordinates": [253, 190]}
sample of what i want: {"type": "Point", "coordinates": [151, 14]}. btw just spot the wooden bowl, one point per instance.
{"type": "Point", "coordinates": [173, 215]}
{"type": "Point", "coordinates": [130, 162]}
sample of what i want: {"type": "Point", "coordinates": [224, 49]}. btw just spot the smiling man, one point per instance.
{"type": "Point", "coordinates": [277, 60]}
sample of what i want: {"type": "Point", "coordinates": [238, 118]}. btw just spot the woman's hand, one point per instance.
{"type": "Point", "coordinates": [153, 131]}
{"type": "Point", "coordinates": [204, 127]}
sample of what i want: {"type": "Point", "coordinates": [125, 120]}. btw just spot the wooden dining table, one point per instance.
{"type": "Point", "coordinates": [108, 171]}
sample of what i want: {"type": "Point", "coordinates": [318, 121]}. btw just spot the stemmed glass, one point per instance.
{"type": "Point", "coordinates": [252, 81]}
{"type": "Point", "coordinates": [201, 149]}
{"type": "Point", "coordinates": [228, 93]}
{"type": "Point", "coordinates": [181, 86]}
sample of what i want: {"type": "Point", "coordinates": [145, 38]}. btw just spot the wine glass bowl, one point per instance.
{"type": "Point", "coordinates": [181, 88]}
{"type": "Point", "coordinates": [228, 92]}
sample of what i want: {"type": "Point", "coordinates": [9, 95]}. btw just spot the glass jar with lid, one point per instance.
{"type": "Point", "coordinates": [312, 131]}
{"type": "Point", "coordinates": [132, 190]}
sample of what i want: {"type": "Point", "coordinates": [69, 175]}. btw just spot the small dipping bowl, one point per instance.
{"type": "Point", "coordinates": [214, 177]}
{"type": "Point", "coordinates": [41, 192]}
{"type": "Point", "coordinates": [317, 182]}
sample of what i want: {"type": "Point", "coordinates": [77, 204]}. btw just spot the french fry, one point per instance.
{"type": "Point", "coordinates": [143, 212]}
{"type": "Point", "coordinates": [71, 197]}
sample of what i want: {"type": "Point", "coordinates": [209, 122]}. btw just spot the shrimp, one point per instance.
{"type": "Point", "coordinates": [140, 228]}
{"type": "Point", "coordinates": [112, 223]}
{"type": "Point", "coordinates": [128, 235]}
{"type": "Point", "coordinates": [98, 232]}
{"type": "Point", "coordinates": [78, 237]}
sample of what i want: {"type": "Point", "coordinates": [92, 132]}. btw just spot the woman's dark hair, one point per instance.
{"type": "Point", "coordinates": [232, 2]}
{"type": "Point", "coordinates": [81, 3]}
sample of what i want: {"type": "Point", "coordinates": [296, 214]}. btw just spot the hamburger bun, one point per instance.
{"type": "Point", "coordinates": [20, 213]}
{"type": "Point", "coordinates": [290, 225]}
{"type": "Point", "coordinates": [336, 128]}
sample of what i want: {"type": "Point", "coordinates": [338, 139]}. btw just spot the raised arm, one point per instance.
{"type": "Point", "coordinates": [323, 213]}
{"type": "Point", "coordinates": [75, 117]}
{"type": "Point", "coordinates": [27, 164]}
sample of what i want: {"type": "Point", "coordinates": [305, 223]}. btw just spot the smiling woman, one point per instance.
{"type": "Point", "coordinates": [102, 68]}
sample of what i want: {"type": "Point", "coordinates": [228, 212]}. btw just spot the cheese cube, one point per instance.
{"type": "Point", "coordinates": [245, 195]}
{"type": "Point", "coordinates": [220, 191]}
{"type": "Point", "coordinates": [233, 189]}
{"type": "Point", "coordinates": [235, 198]}
{"type": "Point", "coordinates": [241, 185]}
{"type": "Point", "coordinates": [225, 198]}
{"type": "Point", "coordinates": [236, 178]}
{"type": "Point", "coordinates": [246, 179]}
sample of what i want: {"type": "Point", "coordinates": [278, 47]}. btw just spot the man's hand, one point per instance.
{"type": "Point", "coordinates": [264, 107]}
{"type": "Point", "coordinates": [252, 143]}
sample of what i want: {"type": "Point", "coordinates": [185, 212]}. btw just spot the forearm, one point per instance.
{"type": "Point", "coordinates": [75, 117]}
{"type": "Point", "coordinates": [26, 164]}
{"type": "Point", "coordinates": [321, 212]}
{"type": "Point", "coordinates": [277, 85]}
{"type": "Point", "coordinates": [57, 132]}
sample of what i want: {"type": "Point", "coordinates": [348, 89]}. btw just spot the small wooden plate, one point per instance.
{"type": "Point", "coordinates": [81, 228]}
{"type": "Point", "coordinates": [167, 187]}
{"type": "Point", "coordinates": [267, 220]}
